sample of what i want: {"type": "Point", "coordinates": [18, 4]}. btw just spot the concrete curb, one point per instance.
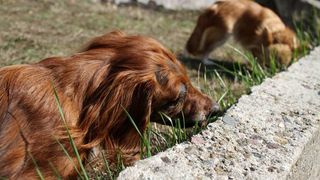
{"type": "Point", "coordinates": [273, 133]}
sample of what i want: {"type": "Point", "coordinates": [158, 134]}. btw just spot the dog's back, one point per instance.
{"type": "Point", "coordinates": [252, 25]}
{"type": "Point", "coordinates": [248, 21]}
{"type": "Point", "coordinates": [16, 91]}
{"type": "Point", "coordinates": [28, 111]}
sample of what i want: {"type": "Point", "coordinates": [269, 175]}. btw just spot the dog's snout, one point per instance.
{"type": "Point", "coordinates": [215, 108]}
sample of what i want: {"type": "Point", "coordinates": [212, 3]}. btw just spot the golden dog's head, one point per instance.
{"type": "Point", "coordinates": [208, 31]}
{"type": "Point", "coordinates": [155, 76]}
{"type": "Point", "coordinates": [139, 80]}
{"type": "Point", "coordinates": [143, 78]}
{"type": "Point", "coordinates": [283, 44]}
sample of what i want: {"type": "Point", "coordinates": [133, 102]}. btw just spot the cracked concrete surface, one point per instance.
{"type": "Point", "coordinates": [273, 133]}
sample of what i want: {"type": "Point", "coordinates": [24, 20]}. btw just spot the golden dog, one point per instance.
{"type": "Point", "coordinates": [256, 28]}
{"type": "Point", "coordinates": [114, 75]}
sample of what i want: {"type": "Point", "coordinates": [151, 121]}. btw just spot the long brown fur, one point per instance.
{"type": "Point", "coordinates": [114, 73]}
{"type": "Point", "coordinates": [256, 28]}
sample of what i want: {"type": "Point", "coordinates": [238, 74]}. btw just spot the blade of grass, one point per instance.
{"type": "Point", "coordinates": [36, 166]}
{"type": "Point", "coordinates": [144, 140]}
{"type": "Point", "coordinates": [72, 143]}
{"type": "Point", "coordinates": [55, 171]}
{"type": "Point", "coordinates": [106, 164]}
{"type": "Point", "coordinates": [69, 157]}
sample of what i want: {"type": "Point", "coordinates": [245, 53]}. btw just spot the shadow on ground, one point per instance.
{"type": "Point", "coordinates": [225, 68]}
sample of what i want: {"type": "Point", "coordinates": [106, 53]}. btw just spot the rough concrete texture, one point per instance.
{"type": "Point", "coordinates": [273, 133]}
{"type": "Point", "coordinates": [173, 4]}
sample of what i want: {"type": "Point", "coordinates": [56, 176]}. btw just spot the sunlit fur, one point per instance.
{"type": "Point", "coordinates": [115, 72]}
{"type": "Point", "coordinates": [256, 28]}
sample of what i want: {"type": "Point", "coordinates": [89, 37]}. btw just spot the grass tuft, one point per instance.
{"type": "Point", "coordinates": [83, 174]}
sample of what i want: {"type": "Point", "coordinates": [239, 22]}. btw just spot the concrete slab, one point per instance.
{"type": "Point", "coordinates": [273, 133]}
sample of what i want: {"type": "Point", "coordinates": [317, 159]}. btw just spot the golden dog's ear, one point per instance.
{"type": "Point", "coordinates": [106, 109]}
{"type": "Point", "coordinates": [282, 53]}
{"type": "Point", "coordinates": [103, 40]}
{"type": "Point", "coordinates": [105, 118]}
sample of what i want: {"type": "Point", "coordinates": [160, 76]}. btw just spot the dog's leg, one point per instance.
{"type": "Point", "coordinates": [212, 38]}
{"type": "Point", "coordinates": [205, 61]}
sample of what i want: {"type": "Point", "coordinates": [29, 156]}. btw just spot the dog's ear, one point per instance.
{"type": "Point", "coordinates": [281, 52]}
{"type": "Point", "coordinates": [288, 37]}
{"type": "Point", "coordinates": [105, 119]}
{"type": "Point", "coordinates": [103, 40]}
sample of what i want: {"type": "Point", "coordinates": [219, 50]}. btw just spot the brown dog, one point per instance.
{"type": "Point", "coordinates": [256, 28]}
{"type": "Point", "coordinates": [114, 74]}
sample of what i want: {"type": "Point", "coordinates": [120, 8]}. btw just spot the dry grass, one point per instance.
{"type": "Point", "coordinates": [32, 30]}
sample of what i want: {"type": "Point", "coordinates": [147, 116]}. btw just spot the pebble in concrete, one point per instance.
{"type": "Point", "coordinates": [266, 135]}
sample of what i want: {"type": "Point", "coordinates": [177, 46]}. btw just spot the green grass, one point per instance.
{"type": "Point", "coordinates": [83, 174]}
{"type": "Point", "coordinates": [33, 30]}
{"type": "Point", "coordinates": [145, 138]}
{"type": "Point", "coordinates": [38, 171]}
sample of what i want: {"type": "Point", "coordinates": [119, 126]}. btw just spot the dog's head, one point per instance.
{"type": "Point", "coordinates": [142, 80]}
{"type": "Point", "coordinates": [287, 37]}
{"type": "Point", "coordinates": [176, 97]}
{"type": "Point", "coordinates": [161, 79]}
{"type": "Point", "coordinates": [284, 43]}
{"type": "Point", "coordinates": [208, 30]}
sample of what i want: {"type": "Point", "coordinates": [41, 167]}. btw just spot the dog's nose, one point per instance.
{"type": "Point", "coordinates": [215, 108]}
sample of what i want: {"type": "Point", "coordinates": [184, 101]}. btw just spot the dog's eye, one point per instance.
{"type": "Point", "coordinates": [180, 99]}
{"type": "Point", "coordinates": [177, 102]}
{"type": "Point", "coordinates": [174, 103]}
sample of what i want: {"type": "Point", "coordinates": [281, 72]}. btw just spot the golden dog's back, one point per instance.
{"type": "Point", "coordinates": [256, 28]}
{"type": "Point", "coordinates": [233, 10]}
